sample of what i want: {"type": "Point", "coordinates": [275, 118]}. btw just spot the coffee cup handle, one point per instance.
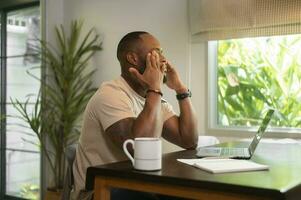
{"type": "Point", "coordinates": [126, 150]}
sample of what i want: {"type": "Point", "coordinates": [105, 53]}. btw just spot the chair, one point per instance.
{"type": "Point", "coordinates": [207, 141]}
{"type": "Point", "coordinates": [70, 153]}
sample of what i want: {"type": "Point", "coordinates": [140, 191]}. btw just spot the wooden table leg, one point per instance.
{"type": "Point", "coordinates": [101, 189]}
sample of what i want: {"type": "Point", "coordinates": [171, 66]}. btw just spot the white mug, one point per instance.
{"type": "Point", "coordinates": [147, 153]}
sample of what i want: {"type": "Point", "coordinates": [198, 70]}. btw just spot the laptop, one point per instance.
{"type": "Point", "coordinates": [237, 152]}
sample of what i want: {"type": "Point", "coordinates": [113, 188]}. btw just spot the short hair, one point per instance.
{"type": "Point", "coordinates": [128, 42]}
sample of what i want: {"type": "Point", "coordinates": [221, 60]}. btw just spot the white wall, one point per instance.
{"type": "Point", "coordinates": [52, 15]}
{"type": "Point", "coordinates": [199, 84]}
{"type": "Point", "coordinates": [166, 20]}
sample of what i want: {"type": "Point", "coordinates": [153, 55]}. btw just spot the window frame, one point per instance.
{"type": "Point", "coordinates": [6, 7]}
{"type": "Point", "coordinates": [212, 128]}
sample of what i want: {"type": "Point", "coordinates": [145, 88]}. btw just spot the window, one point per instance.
{"type": "Point", "coordinates": [253, 63]}
{"type": "Point", "coordinates": [252, 75]}
{"type": "Point", "coordinates": [20, 152]}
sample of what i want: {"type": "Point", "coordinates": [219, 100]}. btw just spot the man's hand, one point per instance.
{"type": "Point", "coordinates": [152, 77]}
{"type": "Point", "coordinates": [173, 79]}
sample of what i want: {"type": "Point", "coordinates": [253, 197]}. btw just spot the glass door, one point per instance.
{"type": "Point", "coordinates": [20, 81]}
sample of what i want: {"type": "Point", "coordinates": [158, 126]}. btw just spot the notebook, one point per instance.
{"type": "Point", "coordinates": [224, 165]}
{"type": "Point", "coordinates": [237, 152]}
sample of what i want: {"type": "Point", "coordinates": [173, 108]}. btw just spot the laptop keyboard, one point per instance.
{"type": "Point", "coordinates": [233, 151]}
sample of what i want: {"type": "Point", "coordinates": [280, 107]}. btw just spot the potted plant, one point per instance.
{"type": "Point", "coordinates": [65, 90]}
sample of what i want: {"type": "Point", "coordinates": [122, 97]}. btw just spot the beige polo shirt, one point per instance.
{"type": "Point", "coordinates": [113, 101]}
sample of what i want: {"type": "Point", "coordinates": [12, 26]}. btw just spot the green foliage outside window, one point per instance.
{"type": "Point", "coordinates": [30, 191]}
{"type": "Point", "coordinates": [255, 74]}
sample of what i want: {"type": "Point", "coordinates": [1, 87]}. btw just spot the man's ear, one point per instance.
{"type": "Point", "coordinates": [132, 58]}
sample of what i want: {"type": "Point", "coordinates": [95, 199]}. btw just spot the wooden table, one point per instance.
{"type": "Point", "coordinates": [282, 181]}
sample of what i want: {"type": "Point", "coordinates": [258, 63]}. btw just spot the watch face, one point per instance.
{"type": "Point", "coordinates": [183, 95]}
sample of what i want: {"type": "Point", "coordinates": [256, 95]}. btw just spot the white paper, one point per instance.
{"type": "Point", "coordinates": [215, 165]}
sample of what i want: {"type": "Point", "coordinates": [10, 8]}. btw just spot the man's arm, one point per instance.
{"type": "Point", "coordinates": [182, 129]}
{"type": "Point", "coordinates": [149, 122]}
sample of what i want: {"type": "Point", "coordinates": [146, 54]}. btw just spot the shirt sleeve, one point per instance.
{"type": "Point", "coordinates": [112, 106]}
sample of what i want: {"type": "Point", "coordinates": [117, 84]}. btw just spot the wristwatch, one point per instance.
{"type": "Point", "coordinates": [184, 95]}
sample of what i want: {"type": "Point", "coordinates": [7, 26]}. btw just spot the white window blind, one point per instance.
{"type": "Point", "coordinates": [225, 19]}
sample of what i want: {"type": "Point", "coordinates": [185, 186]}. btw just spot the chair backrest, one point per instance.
{"type": "Point", "coordinates": [70, 153]}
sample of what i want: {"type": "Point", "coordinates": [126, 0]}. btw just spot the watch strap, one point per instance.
{"type": "Point", "coordinates": [184, 95]}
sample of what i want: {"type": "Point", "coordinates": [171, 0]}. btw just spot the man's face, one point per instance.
{"type": "Point", "coordinates": [148, 44]}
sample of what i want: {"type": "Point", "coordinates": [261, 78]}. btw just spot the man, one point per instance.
{"type": "Point", "coordinates": [132, 106]}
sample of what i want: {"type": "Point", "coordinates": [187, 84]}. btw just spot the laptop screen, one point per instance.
{"type": "Point", "coordinates": [260, 131]}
